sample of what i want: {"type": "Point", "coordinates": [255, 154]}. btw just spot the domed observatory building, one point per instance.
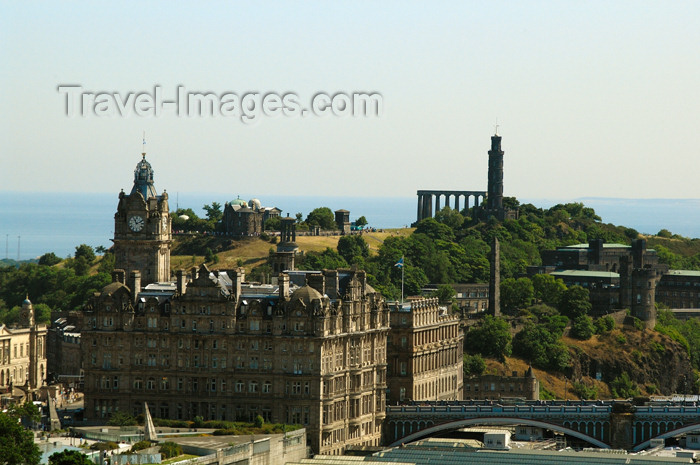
{"type": "Point", "coordinates": [243, 218]}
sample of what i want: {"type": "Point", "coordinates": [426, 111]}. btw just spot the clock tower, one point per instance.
{"type": "Point", "coordinates": [142, 234]}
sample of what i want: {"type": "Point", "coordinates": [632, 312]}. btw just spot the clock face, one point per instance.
{"type": "Point", "coordinates": [136, 223]}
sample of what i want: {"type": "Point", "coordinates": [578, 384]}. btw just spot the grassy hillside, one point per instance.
{"type": "Point", "coordinates": [251, 252]}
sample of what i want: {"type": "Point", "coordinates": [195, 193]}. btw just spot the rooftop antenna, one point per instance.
{"type": "Point", "coordinates": [7, 244]}
{"type": "Point", "coordinates": [496, 127]}
{"type": "Point", "coordinates": [144, 145]}
{"type": "Point", "coordinates": [18, 246]}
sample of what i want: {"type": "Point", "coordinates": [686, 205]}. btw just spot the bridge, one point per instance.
{"type": "Point", "coordinates": [605, 424]}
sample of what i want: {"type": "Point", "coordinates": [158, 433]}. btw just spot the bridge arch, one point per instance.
{"type": "Point", "coordinates": [497, 421]}
{"type": "Point", "coordinates": [667, 434]}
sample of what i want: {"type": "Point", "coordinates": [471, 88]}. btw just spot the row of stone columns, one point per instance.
{"type": "Point", "coordinates": [425, 202]}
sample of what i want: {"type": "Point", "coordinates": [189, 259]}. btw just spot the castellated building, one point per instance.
{"type": "Point", "coordinates": [22, 356]}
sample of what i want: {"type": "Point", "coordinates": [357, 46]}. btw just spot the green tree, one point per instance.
{"type": "Point", "coordinates": [449, 217]}
{"type": "Point", "coordinates": [361, 222]}
{"type": "Point", "coordinates": [664, 233]}
{"type": "Point", "coordinates": [84, 250]}
{"type": "Point", "coordinates": [107, 263]}
{"type": "Point", "coordinates": [16, 443]}
{"type": "Point", "coordinates": [42, 313]}
{"type": "Point", "coordinates": [273, 223]}
{"type": "Point", "coordinates": [329, 259]}
{"type": "Point", "coordinates": [321, 217]}
{"type": "Point", "coordinates": [214, 212]}
{"type": "Point", "coordinates": [259, 421]}
{"type": "Point", "coordinates": [81, 266]}
{"type": "Point", "coordinates": [491, 339]}
{"type": "Point", "coordinates": [582, 327]}
{"type": "Point", "coordinates": [445, 294]}
{"type": "Point", "coordinates": [353, 248]}
{"type": "Point", "coordinates": [548, 289]}
{"type": "Point", "coordinates": [575, 301]}
{"type": "Point", "coordinates": [540, 345]}
{"type": "Point", "coordinates": [49, 259]}
{"type": "Point", "coordinates": [473, 365]}
{"type": "Point", "coordinates": [69, 457]}
{"type": "Point", "coordinates": [435, 230]}
{"type": "Point", "coordinates": [516, 294]}
{"type": "Point", "coordinates": [120, 418]}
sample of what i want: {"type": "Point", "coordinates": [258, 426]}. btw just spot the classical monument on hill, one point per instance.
{"type": "Point", "coordinates": [493, 196]}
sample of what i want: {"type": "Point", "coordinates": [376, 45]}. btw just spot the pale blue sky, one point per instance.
{"type": "Point", "coordinates": [592, 98]}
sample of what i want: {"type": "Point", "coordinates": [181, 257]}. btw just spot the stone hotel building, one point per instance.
{"type": "Point", "coordinates": [309, 350]}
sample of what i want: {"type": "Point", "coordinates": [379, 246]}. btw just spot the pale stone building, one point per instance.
{"type": "Point", "coordinates": [22, 355]}
{"type": "Point", "coordinates": [424, 353]}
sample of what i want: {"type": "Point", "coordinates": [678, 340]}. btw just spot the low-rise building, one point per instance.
{"type": "Point", "coordinates": [494, 387]}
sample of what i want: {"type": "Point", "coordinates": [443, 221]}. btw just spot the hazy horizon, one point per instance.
{"type": "Point", "coordinates": [591, 99]}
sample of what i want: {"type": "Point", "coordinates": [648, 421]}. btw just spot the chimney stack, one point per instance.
{"type": "Point", "coordinates": [283, 282]}
{"type": "Point", "coordinates": [181, 282]}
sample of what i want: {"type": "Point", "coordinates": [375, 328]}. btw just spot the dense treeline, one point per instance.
{"type": "Point", "coordinates": [52, 284]}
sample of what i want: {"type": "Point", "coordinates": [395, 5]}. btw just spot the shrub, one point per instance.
{"type": "Point", "coordinates": [623, 386]}
{"type": "Point", "coordinates": [546, 394]}
{"type": "Point", "coordinates": [107, 445]}
{"type": "Point", "coordinates": [170, 450]}
{"type": "Point", "coordinates": [140, 446]}
{"type": "Point", "coordinates": [638, 324]}
{"type": "Point", "coordinates": [604, 324]}
{"type": "Point", "coordinates": [584, 392]}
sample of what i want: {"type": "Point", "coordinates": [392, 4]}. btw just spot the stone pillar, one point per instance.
{"type": "Point", "coordinates": [621, 426]}
{"type": "Point", "coordinates": [437, 203]}
{"type": "Point", "coordinates": [420, 208]}
{"type": "Point", "coordinates": [495, 279]}
{"type": "Point", "coordinates": [430, 206]}
{"type": "Point", "coordinates": [457, 202]}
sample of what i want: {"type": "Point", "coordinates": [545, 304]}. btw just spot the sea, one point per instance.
{"type": "Point", "coordinates": [35, 223]}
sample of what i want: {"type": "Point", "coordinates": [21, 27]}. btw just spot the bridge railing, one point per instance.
{"type": "Point", "coordinates": [499, 409]}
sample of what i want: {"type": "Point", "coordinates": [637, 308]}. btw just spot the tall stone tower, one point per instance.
{"type": "Point", "coordinates": [638, 284]}
{"type": "Point", "coordinates": [494, 196]}
{"type": "Point", "coordinates": [495, 279]}
{"type": "Point", "coordinates": [142, 234]}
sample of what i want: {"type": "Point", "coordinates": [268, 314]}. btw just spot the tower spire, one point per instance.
{"type": "Point", "coordinates": [144, 145]}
